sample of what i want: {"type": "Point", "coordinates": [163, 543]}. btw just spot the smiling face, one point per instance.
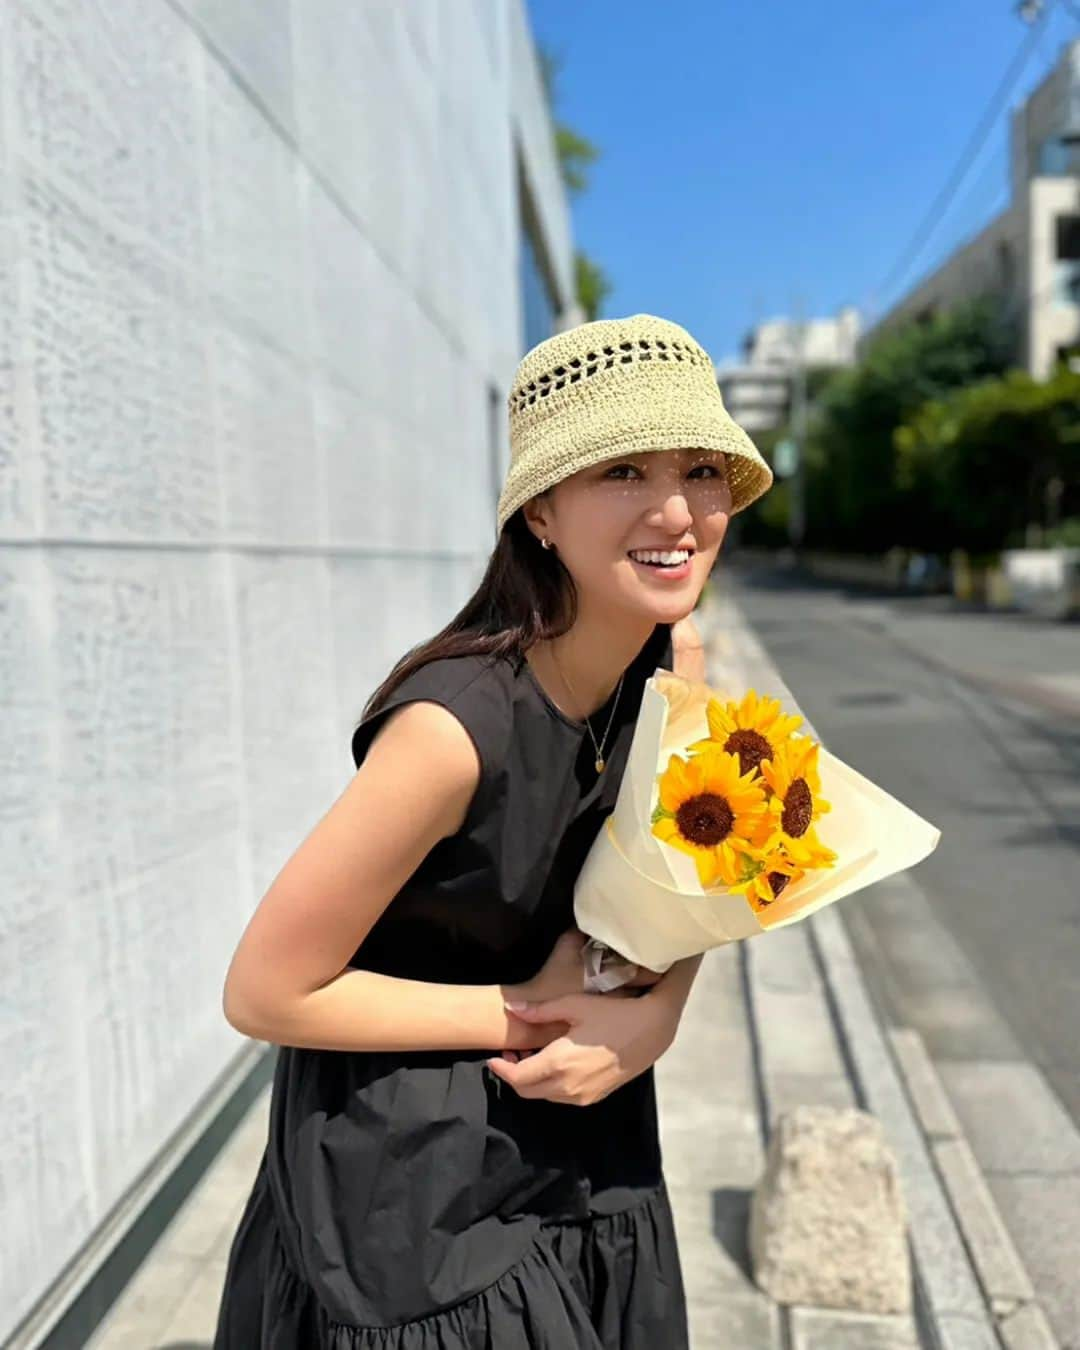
{"type": "Point", "coordinates": [656, 500]}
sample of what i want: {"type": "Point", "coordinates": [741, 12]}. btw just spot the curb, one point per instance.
{"type": "Point", "coordinates": [1007, 1287]}
{"type": "Point", "coordinates": [949, 1303]}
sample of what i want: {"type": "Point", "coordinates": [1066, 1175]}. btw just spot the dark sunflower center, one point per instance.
{"type": "Point", "coordinates": [777, 881]}
{"type": "Point", "coordinates": [706, 819]}
{"type": "Point", "coordinates": [798, 809]}
{"type": "Point", "coordinates": [750, 746]}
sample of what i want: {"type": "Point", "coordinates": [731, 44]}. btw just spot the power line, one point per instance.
{"type": "Point", "coordinates": [983, 128]}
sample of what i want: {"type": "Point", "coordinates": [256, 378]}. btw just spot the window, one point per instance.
{"type": "Point", "coordinates": [538, 312]}
{"type": "Point", "coordinates": [1067, 284]}
{"type": "Point", "coordinates": [495, 410]}
{"type": "Point", "coordinates": [1053, 158]}
{"type": "Point", "coordinates": [1006, 265]}
{"type": "Point", "coordinates": [1068, 238]}
{"type": "Point", "coordinates": [538, 306]}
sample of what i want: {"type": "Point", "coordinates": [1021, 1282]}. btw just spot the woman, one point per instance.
{"type": "Point", "coordinates": [463, 1146]}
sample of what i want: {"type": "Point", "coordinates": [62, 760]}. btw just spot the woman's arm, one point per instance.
{"type": "Point", "coordinates": [688, 650]}
{"type": "Point", "coordinates": [289, 981]}
{"type": "Point", "coordinates": [360, 1010]}
{"type": "Point", "coordinates": [672, 989]}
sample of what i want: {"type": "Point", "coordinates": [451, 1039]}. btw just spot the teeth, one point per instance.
{"type": "Point", "coordinates": [679, 556]}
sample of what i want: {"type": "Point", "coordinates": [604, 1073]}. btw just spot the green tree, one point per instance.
{"type": "Point", "coordinates": [854, 498]}
{"type": "Point", "coordinates": [575, 154]}
{"type": "Point", "coordinates": [991, 459]}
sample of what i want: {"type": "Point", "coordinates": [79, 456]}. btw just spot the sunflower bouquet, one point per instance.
{"type": "Point", "coordinates": [729, 822]}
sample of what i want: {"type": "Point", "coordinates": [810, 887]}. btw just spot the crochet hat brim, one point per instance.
{"type": "Point", "coordinates": [655, 414]}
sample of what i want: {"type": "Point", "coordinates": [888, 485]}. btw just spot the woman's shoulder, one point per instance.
{"type": "Point", "coordinates": [474, 688]}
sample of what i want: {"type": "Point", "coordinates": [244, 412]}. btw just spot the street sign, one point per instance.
{"type": "Point", "coordinates": [785, 458]}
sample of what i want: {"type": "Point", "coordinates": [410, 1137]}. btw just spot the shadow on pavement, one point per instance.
{"type": "Point", "coordinates": [730, 1222]}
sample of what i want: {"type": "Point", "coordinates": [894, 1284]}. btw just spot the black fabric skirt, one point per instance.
{"type": "Point", "coordinates": [611, 1282]}
{"type": "Point", "coordinates": [415, 1202]}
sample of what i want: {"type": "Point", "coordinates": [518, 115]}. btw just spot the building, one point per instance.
{"type": "Point", "coordinates": [1029, 255]}
{"type": "Point", "coordinates": [757, 391]}
{"type": "Point", "coordinates": [266, 271]}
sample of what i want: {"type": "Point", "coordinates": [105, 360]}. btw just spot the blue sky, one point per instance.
{"type": "Point", "coordinates": [761, 152]}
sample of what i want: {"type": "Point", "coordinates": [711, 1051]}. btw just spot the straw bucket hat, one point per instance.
{"type": "Point", "coordinates": [614, 387]}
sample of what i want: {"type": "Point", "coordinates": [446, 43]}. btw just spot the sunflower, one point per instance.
{"type": "Point", "coordinates": [754, 729]}
{"type": "Point", "coordinates": [711, 811]}
{"type": "Point", "coordinates": [764, 879]}
{"type": "Point", "coordinates": [808, 852]}
{"type": "Point", "coordinates": [795, 786]}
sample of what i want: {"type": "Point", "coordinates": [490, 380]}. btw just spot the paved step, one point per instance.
{"type": "Point", "coordinates": [1028, 1149]}
{"type": "Point", "coordinates": [713, 1147]}
{"type": "Point", "coordinates": [1021, 1322]}
{"type": "Point", "coordinates": [172, 1301]}
{"type": "Point", "coordinates": [954, 1312]}
{"type": "Point", "coordinates": [1022, 1139]}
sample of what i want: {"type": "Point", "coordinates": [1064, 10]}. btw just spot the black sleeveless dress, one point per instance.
{"type": "Point", "coordinates": [413, 1201]}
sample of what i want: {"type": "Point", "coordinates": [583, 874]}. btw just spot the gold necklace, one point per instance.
{"type": "Point", "coordinates": [598, 748]}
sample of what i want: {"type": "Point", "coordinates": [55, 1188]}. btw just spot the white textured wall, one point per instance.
{"type": "Point", "coordinates": [257, 272]}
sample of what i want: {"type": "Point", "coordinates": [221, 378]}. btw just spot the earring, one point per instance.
{"type": "Point", "coordinates": [546, 543]}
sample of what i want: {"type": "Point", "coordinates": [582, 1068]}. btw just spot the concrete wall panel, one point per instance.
{"type": "Point", "coordinates": [271, 472]}
{"type": "Point", "coordinates": [254, 224]}
{"type": "Point", "coordinates": [114, 346]}
{"type": "Point", "coordinates": [258, 275]}
{"type": "Point", "coordinates": [105, 95]}
{"type": "Point", "coordinates": [253, 38]}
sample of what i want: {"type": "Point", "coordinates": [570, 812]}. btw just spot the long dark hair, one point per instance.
{"type": "Point", "coordinates": [526, 595]}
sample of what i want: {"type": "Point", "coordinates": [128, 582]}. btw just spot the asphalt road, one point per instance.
{"type": "Point", "coordinates": [973, 720]}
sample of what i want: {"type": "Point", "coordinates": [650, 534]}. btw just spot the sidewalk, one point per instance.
{"type": "Point", "coordinates": [770, 1024]}
{"type": "Point", "coordinates": [989, 1136]}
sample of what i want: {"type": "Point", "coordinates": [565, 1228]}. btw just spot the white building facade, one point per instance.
{"type": "Point", "coordinates": [1029, 255]}
{"type": "Point", "coordinates": [757, 391]}
{"type": "Point", "coordinates": [265, 274]}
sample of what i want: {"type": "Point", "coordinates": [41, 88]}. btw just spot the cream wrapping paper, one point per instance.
{"type": "Point", "coordinates": [643, 898]}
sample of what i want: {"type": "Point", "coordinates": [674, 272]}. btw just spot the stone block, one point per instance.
{"type": "Point", "coordinates": [955, 1331]}
{"type": "Point", "coordinates": [828, 1220]}
{"type": "Point", "coordinates": [818, 1329]}
{"type": "Point", "coordinates": [1027, 1329]}
{"type": "Point", "coordinates": [749, 1323]}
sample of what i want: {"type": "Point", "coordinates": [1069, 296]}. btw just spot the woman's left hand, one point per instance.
{"type": "Point", "coordinates": [609, 1041]}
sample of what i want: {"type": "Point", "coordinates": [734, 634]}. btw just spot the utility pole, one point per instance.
{"type": "Point", "coordinates": [797, 510]}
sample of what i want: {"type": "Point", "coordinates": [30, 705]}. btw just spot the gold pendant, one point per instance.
{"type": "Point", "coordinates": [599, 766]}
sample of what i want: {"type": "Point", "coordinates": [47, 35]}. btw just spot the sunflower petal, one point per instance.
{"type": "Point", "coordinates": [701, 747]}
{"type": "Point", "coordinates": [721, 723]}
{"type": "Point", "coordinates": [707, 868]}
